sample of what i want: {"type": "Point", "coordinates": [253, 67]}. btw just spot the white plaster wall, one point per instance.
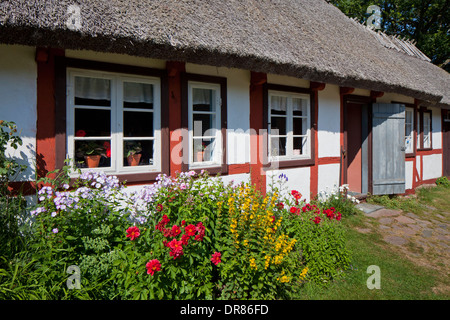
{"type": "Point", "coordinates": [238, 109]}
{"type": "Point", "coordinates": [432, 166]}
{"type": "Point", "coordinates": [287, 81]}
{"type": "Point", "coordinates": [298, 179]}
{"type": "Point", "coordinates": [436, 138]}
{"type": "Point", "coordinates": [409, 174]}
{"type": "Point", "coordinates": [328, 176]}
{"type": "Point", "coordinates": [329, 122]}
{"type": "Point", "coordinates": [389, 97]}
{"type": "Point", "coordinates": [116, 58]}
{"type": "Point", "coordinates": [18, 94]}
{"type": "Point", "coordinates": [418, 160]}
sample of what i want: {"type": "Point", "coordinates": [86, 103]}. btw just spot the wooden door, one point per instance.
{"type": "Point", "coordinates": [446, 141]}
{"type": "Point", "coordinates": [388, 148]}
{"type": "Point", "coordinates": [354, 143]}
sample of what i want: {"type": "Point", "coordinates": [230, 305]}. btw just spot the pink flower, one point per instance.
{"type": "Point", "coordinates": [216, 258]}
{"type": "Point", "coordinates": [133, 232]}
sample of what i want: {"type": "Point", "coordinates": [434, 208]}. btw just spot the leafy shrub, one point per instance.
{"type": "Point", "coordinates": [320, 236]}
{"type": "Point", "coordinates": [339, 199]}
{"type": "Point", "coordinates": [259, 258]}
{"type": "Point", "coordinates": [184, 237]}
{"type": "Point", "coordinates": [443, 181]}
{"type": "Point", "coordinates": [12, 205]}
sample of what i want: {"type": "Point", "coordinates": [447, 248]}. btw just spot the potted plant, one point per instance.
{"type": "Point", "coordinates": [200, 151]}
{"type": "Point", "coordinates": [133, 150]}
{"type": "Point", "coordinates": [92, 152]}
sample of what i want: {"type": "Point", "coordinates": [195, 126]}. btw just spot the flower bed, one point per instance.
{"type": "Point", "coordinates": [189, 237]}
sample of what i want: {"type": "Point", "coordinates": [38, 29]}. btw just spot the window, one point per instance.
{"type": "Point", "coordinates": [115, 118]}
{"type": "Point", "coordinates": [204, 124]}
{"type": "Point", "coordinates": [409, 130]}
{"type": "Point", "coordinates": [424, 126]}
{"type": "Point", "coordinates": [426, 134]}
{"type": "Point", "coordinates": [289, 126]}
{"type": "Point", "coordinates": [204, 115]}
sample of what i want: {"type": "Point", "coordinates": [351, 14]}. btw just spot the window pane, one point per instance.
{"type": "Point", "coordinates": [278, 146]}
{"type": "Point", "coordinates": [98, 150]}
{"type": "Point", "coordinates": [300, 126]}
{"type": "Point", "coordinates": [138, 153]}
{"type": "Point", "coordinates": [278, 123]}
{"type": "Point", "coordinates": [408, 117]}
{"type": "Point", "coordinates": [299, 107]}
{"type": "Point", "coordinates": [203, 149]}
{"type": "Point", "coordinates": [92, 91]}
{"type": "Point", "coordinates": [203, 99]}
{"type": "Point", "coordinates": [278, 105]}
{"type": "Point", "coordinates": [203, 123]}
{"type": "Point", "coordinates": [137, 124]}
{"type": "Point", "coordinates": [426, 130]}
{"type": "Point", "coordinates": [92, 123]}
{"type": "Point", "coordinates": [137, 95]}
{"type": "Point", "coordinates": [300, 145]}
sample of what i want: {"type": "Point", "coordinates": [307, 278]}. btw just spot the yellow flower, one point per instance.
{"type": "Point", "coordinates": [303, 273]}
{"type": "Point", "coordinates": [253, 264]}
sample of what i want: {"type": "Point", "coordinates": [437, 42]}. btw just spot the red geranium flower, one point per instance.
{"type": "Point", "coordinates": [153, 266]}
{"type": "Point", "coordinates": [80, 133]}
{"type": "Point", "coordinates": [201, 231]}
{"type": "Point", "coordinates": [175, 230]}
{"type": "Point", "coordinates": [176, 248]}
{"type": "Point", "coordinates": [185, 239]}
{"type": "Point", "coordinates": [160, 225]}
{"type": "Point", "coordinates": [190, 230]}
{"type": "Point", "coordinates": [133, 232]}
{"type": "Point", "coordinates": [280, 205]}
{"type": "Point", "coordinates": [159, 207]}
{"type": "Point", "coordinates": [317, 220]}
{"type": "Point", "coordinates": [293, 210]}
{"type": "Point", "coordinates": [216, 258]}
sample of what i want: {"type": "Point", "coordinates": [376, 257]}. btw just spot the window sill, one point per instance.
{"type": "Point", "coordinates": [410, 155]}
{"type": "Point", "coordinates": [291, 163]}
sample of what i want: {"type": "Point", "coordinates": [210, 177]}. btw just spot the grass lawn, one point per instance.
{"type": "Point", "coordinates": [401, 278]}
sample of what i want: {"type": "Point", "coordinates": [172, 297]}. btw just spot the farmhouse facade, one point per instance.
{"type": "Point", "coordinates": [244, 89]}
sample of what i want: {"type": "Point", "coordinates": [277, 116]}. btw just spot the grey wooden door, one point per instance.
{"type": "Point", "coordinates": [388, 148]}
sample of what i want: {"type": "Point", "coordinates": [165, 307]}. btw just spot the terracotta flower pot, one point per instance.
{"type": "Point", "coordinates": [92, 161]}
{"type": "Point", "coordinates": [199, 156]}
{"type": "Point", "coordinates": [134, 159]}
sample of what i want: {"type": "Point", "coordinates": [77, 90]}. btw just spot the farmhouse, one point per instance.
{"type": "Point", "coordinates": [248, 89]}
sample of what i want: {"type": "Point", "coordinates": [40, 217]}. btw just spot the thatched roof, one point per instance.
{"type": "Point", "coordinates": [309, 39]}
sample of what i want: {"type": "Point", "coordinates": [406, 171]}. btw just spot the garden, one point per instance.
{"type": "Point", "coordinates": [186, 237]}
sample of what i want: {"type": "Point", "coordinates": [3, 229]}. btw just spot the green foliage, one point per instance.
{"type": "Point", "coordinates": [12, 205]}
{"type": "Point", "coordinates": [426, 22]}
{"type": "Point", "coordinates": [188, 237]}
{"type": "Point", "coordinates": [443, 181]}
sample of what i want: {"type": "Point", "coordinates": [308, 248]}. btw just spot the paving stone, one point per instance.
{"type": "Point", "coordinates": [409, 231]}
{"type": "Point", "coordinates": [403, 219]}
{"type": "Point", "coordinates": [383, 213]}
{"type": "Point", "coordinates": [384, 227]}
{"type": "Point", "coordinates": [368, 207]}
{"type": "Point", "coordinates": [395, 240]}
{"type": "Point", "coordinates": [385, 220]}
{"type": "Point", "coordinates": [412, 215]}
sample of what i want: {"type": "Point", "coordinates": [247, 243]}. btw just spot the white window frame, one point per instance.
{"type": "Point", "coordinates": [426, 127]}
{"type": "Point", "coordinates": [290, 126]}
{"type": "Point", "coordinates": [217, 128]}
{"type": "Point", "coordinates": [409, 138]}
{"type": "Point", "coordinates": [117, 79]}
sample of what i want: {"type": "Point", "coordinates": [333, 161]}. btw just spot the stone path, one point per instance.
{"type": "Point", "coordinates": [424, 239]}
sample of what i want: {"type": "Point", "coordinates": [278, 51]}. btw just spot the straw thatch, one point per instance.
{"type": "Point", "coordinates": [308, 39]}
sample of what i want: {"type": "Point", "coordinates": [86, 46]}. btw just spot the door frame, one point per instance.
{"type": "Point", "coordinates": [363, 100]}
